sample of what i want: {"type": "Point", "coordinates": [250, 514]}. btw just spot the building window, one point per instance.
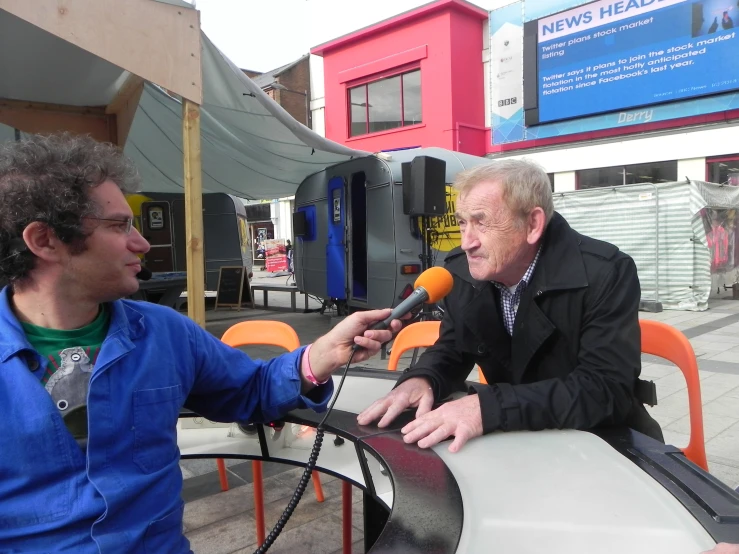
{"type": "Point", "coordinates": [655, 172]}
{"type": "Point", "coordinates": [723, 170]}
{"type": "Point", "coordinates": [385, 104]}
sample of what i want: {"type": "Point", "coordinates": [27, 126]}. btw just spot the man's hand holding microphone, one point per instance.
{"type": "Point", "coordinates": [365, 332]}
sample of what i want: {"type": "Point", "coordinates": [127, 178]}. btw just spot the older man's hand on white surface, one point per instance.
{"type": "Point", "coordinates": [461, 418]}
{"type": "Point", "coordinates": [413, 393]}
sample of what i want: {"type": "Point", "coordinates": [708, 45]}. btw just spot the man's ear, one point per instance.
{"type": "Point", "coordinates": [43, 242]}
{"type": "Point", "coordinates": [536, 223]}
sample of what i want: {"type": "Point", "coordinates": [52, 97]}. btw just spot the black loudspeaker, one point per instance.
{"type": "Point", "coordinates": [424, 186]}
{"type": "Point", "coordinates": [300, 224]}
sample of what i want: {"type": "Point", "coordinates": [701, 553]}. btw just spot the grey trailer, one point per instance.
{"type": "Point", "coordinates": [354, 245]}
{"type": "Point", "coordinates": [225, 233]}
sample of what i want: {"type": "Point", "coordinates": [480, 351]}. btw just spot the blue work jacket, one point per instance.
{"type": "Point", "coordinates": [124, 494]}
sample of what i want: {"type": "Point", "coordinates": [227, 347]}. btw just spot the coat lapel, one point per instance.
{"type": "Point", "coordinates": [560, 267]}
{"type": "Point", "coordinates": [483, 322]}
{"type": "Point", "coordinates": [529, 334]}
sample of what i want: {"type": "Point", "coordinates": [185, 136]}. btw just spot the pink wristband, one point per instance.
{"type": "Point", "coordinates": [307, 371]}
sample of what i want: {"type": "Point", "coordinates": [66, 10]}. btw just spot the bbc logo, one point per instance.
{"type": "Point", "coordinates": [507, 102]}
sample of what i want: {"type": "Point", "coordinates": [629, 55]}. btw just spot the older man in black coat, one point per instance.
{"type": "Point", "coordinates": [550, 316]}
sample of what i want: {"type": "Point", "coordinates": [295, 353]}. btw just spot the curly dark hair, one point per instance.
{"type": "Point", "coordinates": [47, 179]}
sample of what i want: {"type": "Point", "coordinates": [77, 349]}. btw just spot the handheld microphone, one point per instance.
{"type": "Point", "coordinates": [430, 287]}
{"type": "Point", "coordinates": [145, 274]}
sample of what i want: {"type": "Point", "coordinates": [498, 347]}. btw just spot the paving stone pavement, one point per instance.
{"type": "Point", "coordinates": [218, 522]}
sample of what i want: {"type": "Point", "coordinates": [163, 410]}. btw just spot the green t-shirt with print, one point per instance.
{"type": "Point", "coordinates": [70, 355]}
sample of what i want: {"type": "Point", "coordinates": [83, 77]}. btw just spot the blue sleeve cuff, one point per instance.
{"type": "Point", "coordinates": [317, 398]}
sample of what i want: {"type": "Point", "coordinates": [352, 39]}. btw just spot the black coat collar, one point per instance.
{"type": "Point", "coordinates": [560, 265]}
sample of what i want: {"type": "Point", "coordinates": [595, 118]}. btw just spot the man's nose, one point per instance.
{"type": "Point", "coordinates": [469, 240]}
{"type": "Point", "coordinates": [137, 243]}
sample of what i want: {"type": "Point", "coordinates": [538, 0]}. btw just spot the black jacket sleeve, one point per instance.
{"type": "Point", "coordinates": [599, 390]}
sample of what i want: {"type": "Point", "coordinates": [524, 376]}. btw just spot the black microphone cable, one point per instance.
{"type": "Point", "coordinates": [310, 466]}
{"type": "Point", "coordinates": [434, 283]}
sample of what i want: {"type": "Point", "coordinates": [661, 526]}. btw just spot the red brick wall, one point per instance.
{"type": "Point", "coordinates": [296, 78]}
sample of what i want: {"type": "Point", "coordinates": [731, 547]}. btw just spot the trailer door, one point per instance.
{"type": "Point", "coordinates": [336, 247]}
{"type": "Point", "coordinates": [156, 227]}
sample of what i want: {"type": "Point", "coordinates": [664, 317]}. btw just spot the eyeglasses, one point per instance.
{"type": "Point", "coordinates": [126, 224]}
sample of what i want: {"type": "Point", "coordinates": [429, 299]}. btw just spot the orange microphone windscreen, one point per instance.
{"type": "Point", "coordinates": [437, 281]}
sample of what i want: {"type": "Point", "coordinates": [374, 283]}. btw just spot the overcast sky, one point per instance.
{"type": "Point", "coordinates": [263, 35]}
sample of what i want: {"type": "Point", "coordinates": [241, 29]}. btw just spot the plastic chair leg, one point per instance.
{"type": "Point", "coordinates": [257, 475]}
{"type": "Point", "coordinates": [256, 470]}
{"type": "Point", "coordinates": [222, 474]}
{"type": "Point", "coordinates": [317, 486]}
{"type": "Point", "coordinates": [346, 509]}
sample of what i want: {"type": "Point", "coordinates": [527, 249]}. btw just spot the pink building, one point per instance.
{"type": "Point", "coordinates": [410, 81]}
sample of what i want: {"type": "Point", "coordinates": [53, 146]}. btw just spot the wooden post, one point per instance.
{"type": "Point", "coordinates": [193, 212]}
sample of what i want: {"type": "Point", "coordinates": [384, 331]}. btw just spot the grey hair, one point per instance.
{"type": "Point", "coordinates": [525, 184]}
{"type": "Point", "coordinates": [47, 179]}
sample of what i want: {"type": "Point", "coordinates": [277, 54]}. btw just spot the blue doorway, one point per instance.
{"type": "Point", "coordinates": [335, 249]}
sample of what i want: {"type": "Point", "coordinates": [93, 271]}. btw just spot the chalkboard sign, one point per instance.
{"type": "Point", "coordinates": [233, 287]}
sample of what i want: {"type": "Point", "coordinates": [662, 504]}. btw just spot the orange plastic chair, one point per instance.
{"type": "Point", "coordinates": [660, 339]}
{"type": "Point", "coordinates": [273, 333]}
{"type": "Point", "coordinates": [418, 335]}
{"type": "Point", "coordinates": [481, 377]}
{"type": "Point", "coordinates": [415, 335]}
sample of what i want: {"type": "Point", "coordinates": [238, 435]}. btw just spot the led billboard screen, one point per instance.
{"type": "Point", "coordinates": [613, 55]}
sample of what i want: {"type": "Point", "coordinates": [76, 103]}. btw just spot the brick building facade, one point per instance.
{"type": "Point", "coordinates": [289, 86]}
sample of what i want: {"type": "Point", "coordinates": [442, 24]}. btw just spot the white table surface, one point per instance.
{"type": "Point", "coordinates": [524, 492]}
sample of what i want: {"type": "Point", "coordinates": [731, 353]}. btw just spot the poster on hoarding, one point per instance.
{"type": "Point", "coordinates": [275, 254]}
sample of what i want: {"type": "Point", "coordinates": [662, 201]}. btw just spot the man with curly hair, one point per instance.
{"type": "Point", "coordinates": [91, 385]}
